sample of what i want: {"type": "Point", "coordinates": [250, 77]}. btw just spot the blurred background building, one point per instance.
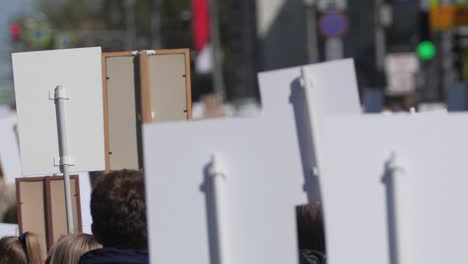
{"type": "Point", "coordinates": [406, 52]}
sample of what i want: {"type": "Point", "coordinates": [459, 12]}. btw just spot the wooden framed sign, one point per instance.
{"type": "Point", "coordinates": [145, 86]}
{"type": "Point", "coordinates": [121, 111]}
{"type": "Point", "coordinates": [165, 85]}
{"type": "Point", "coordinates": [41, 209]}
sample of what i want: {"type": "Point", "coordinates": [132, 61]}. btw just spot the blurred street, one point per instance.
{"type": "Point", "coordinates": [408, 53]}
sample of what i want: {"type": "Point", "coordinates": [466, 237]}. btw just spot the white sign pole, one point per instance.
{"type": "Point", "coordinates": [396, 181]}
{"type": "Point", "coordinates": [218, 177]}
{"type": "Point", "coordinates": [65, 160]}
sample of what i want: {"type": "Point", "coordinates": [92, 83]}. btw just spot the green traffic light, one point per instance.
{"type": "Point", "coordinates": [426, 50]}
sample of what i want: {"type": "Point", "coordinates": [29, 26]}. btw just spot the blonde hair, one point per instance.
{"type": "Point", "coordinates": [68, 249]}
{"type": "Point", "coordinates": [26, 250]}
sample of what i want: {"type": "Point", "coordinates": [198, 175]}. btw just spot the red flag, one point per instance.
{"type": "Point", "coordinates": [201, 23]}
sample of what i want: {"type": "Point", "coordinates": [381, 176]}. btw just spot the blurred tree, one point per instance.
{"type": "Point", "coordinates": [73, 14]}
{"type": "Point", "coordinates": [176, 26]}
{"type": "Point", "coordinates": [105, 23]}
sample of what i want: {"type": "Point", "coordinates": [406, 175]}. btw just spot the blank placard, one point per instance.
{"type": "Point", "coordinates": [32, 215]}
{"type": "Point", "coordinates": [8, 230]}
{"type": "Point", "coordinates": [267, 169]}
{"type": "Point", "coordinates": [265, 181]}
{"type": "Point", "coordinates": [166, 88]}
{"type": "Point", "coordinates": [432, 150]}
{"type": "Point", "coordinates": [56, 202]}
{"type": "Point", "coordinates": [36, 75]}
{"type": "Point", "coordinates": [122, 112]}
{"type": "Point", "coordinates": [41, 207]}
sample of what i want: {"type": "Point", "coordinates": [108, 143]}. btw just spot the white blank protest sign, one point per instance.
{"type": "Point", "coordinates": [36, 74]}
{"type": "Point", "coordinates": [9, 150]}
{"type": "Point", "coordinates": [264, 182]}
{"type": "Point", "coordinates": [328, 89]}
{"type": "Point", "coordinates": [85, 200]}
{"type": "Point", "coordinates": [433, 149]}
{"type": "Point", "coordinates": [267, 175]}
{"type": "Point", "coordinates": [8, 230]}
{"type": "Point", "coordinates": [331, 89]}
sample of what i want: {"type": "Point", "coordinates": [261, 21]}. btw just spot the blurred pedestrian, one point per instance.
{"type": "Point", "coordinates": [119, 219]}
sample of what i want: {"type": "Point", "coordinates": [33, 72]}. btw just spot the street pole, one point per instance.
{"type": "Point", "coordinates": [380, 45]}
{"type": "Point", "coordinates": [156, 42]}
{"type": "Point", "coordinates": [130, 23]}
{"type": "Point", "coordinates": [218, 80]}
{"type": "Point", "coordinates": [243, 62]}
{"type": "Point", "coordinates": [311, 24]}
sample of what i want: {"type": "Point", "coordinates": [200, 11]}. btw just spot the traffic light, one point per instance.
{"type": "Point", "coordinates": [425, 49]}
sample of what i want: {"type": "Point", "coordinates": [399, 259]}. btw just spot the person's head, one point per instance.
{"type": "Point", "coordinates": [310, 227]}
{"type": "Point", "coordinates": [68, 249]}
{"type": "Point", "coordinates": [24, 249]}
{"type": "Point", "coordinates": [118, 210]}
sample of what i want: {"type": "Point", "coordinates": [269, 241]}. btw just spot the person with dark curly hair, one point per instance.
{"type": "Point", "coordinates": [119, 219]}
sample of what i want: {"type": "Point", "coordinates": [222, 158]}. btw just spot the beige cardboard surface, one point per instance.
{"type": "Point", "coordinates": [32, 210]}
{"type": "Point", "coordinates": [123, 146]}
{"type": "Point", "coordinates": [58, 212]}
{"type": "Point", "coordinates": [168, 87]}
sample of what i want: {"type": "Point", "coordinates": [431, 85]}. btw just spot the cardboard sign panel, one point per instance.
{"type": "Point", "coordinates": [165, 84]}
{"type": "Point", "coordinates": [267, 176]}
{"type": "Point", "coordinates": [267, 165]}
{"type": "Point", "coordinates": [10, 164]}
{"type": "Point", "coordinates": [432, 150]}
{"type": "Point", "coordinates": [32, 215]}
{"type": "Point", "coordinates": [264, 183]}
{"type": "Point", "coordinates": [36, 75]}
{"type": "Point", "coordinates": [123, 126]}
{"type": "Point", "coordinates": [56, 206]}
{"type": "Point", "coordinates": [41, 207]}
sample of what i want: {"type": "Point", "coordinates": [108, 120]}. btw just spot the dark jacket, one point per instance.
{"type": "Point", "coordinates": [311, 257]}
{"type": "Point", "coordinates": [114, 256]}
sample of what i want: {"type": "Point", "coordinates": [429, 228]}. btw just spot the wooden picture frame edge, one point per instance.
{"type": "Point", "coordinates": [145, 91]}
{"type": "Point", "coordinates": [18, 198]}
{"type": "Point", "coordinates": [105, 99]}
{"type": "Point", "coordinates": [145, 86]}
{"type": "Point", "coordinates": [50, 232]}
{"type": "Point", "coordinates": [188, 75]}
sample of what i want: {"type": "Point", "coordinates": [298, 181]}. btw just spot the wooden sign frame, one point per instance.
{"type": "Point", "coordinates": [105, 78]}
{"type": "Point", "coordinates": [49, 226]}
{"type": "Point", "coordinates": [146, 103]}
{"type": "Point", "coordinates": [143, 100]}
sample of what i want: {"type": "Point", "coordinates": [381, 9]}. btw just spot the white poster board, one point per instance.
{"type": "Point", "coordinates": [329, 89]}
{"type": "Point", "coordinates": [353, 153]}
{"type": "Point", "coordinates": [8, 230]}
{"type": "Point", "coordinates": [267, 175]}
{"type": "Point", "coordinates": [37, 74]}
{"type": "Point", "coordinates": [9, 150]}
{"type": "Point", "coordinates": [85, 200]}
